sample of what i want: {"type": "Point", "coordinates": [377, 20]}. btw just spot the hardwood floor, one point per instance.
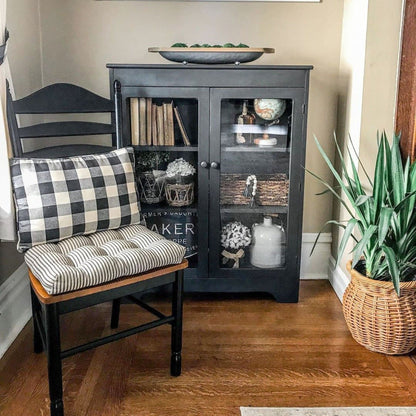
{"type": "Point", "coordinates": [243, 350]}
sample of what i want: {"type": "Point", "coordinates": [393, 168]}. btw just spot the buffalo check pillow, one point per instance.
{"type": "Point", "coordinates": [59, 198]}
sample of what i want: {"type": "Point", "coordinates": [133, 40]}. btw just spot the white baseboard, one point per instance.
{"type": "Point", "coordinates": [338, 279]}
{"type": "Point", "coordinates": [315, 266]}
{"type": "Point", "coordinates": [15, 307]}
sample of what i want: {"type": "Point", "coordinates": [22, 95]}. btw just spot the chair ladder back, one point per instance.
{"type": "Point", "coordinates": [63, 98]}
{"type": "Point", "coordinates": [117, 113]}
{"type": "Point", "coordinates": [13, 126]}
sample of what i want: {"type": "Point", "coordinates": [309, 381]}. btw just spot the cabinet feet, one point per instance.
{"type": "Point", "coordinates": [285, 297]}
{"type": "Point", "coordinates": [175, 364]}
{"type": "Point", "coordinates": [57, 408]}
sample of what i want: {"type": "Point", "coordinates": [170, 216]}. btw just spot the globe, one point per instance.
{"type": "Point", "coordinates": [269, 109]}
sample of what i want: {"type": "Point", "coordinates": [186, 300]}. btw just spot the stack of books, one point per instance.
{"type": "Point", "coordinates": [153, 124]}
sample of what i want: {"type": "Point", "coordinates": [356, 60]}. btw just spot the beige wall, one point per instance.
{"type": "Point", "coordinates": [381, 75]}
{"type": "Point", "coordinates": [24, 48]}
{"type": "Point", "coordinates": [25, 64]}
{"type": "Point", "coordinates": [81, 36]}
{"type": "Point", "coordinates": [368, 80]}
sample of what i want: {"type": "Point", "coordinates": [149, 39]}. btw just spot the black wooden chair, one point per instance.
{"type": "Point", "coordinates": [47, 308]}
{"type": "Point", "coordinates": [61, 99]}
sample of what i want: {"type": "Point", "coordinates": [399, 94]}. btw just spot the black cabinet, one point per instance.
{"type": "Point", "coordinates": [263, 149]}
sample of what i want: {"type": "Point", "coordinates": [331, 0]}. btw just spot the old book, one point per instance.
{"type": "Point", "coordinates": [142, 121]}
{"type": "Point", "coordinates": [134, 121]}
{"type": "Point", "coordinates": [159, 125]}
{"type": "Point", "coordinates": [149, 121]}
{"type": "Point", "coordinates": [166, 138]}
{"type": "Point", "coordinates": [181, 127]}
{"type": "Point", "coordinates": [171, 131]}
{"type": "Point", "coordinates": [154, 125]}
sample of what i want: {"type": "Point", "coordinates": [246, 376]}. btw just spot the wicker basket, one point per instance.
{"type": "Point", "coordinates": [179, 195]}
{"type": "Point", "coordinates": [271, 189]}
{"type": "Point", "coordinates": [377, 318]}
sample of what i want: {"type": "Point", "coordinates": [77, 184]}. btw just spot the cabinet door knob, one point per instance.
{"type": "Point", "coordinates": [215, 165]}
{"type": "Point", "coordinates": [204, 164]}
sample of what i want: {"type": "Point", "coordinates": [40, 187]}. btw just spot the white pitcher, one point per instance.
{"type": "Point", "coordinates": [266, 244]}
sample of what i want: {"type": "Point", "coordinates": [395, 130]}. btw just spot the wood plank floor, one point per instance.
{"type": "Point", "coordinates": [238, 351]}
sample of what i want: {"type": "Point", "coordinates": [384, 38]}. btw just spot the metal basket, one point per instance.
{"type": "Point", "coordinates": [151, 188]}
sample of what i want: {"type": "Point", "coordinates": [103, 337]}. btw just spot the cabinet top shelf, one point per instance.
{"type": "Point", "coordinates": [211, 67]}
{"type": "Point", "coordinates": [280, 130]}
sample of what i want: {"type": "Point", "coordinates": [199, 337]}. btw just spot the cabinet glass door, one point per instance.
{"type": "Point", "coordinates": [170, 137]}
{"type": "Point", "coordinates": [252, 155]}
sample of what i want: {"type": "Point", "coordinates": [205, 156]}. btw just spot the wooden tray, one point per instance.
{"type": "Point", "coordinates": [211, 55]}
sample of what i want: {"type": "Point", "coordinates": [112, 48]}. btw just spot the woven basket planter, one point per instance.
{"type": "Point", "coordinates": [377, 318]}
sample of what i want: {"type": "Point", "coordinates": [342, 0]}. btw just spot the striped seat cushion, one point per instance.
{"type": "Point", "coordinates": [88, 260]}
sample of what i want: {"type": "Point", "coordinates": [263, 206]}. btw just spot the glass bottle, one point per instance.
{"type": "Point", "coordinates": [245, 118]}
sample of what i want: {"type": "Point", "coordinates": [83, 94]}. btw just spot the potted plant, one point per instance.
{"type": "Point", "coordinates": [379, 304]}
{"type": "Point", "coordinates": [180, 171]}
{"type": "Point", "coordinates": [179, 188]}
{"type": "Point", "coordinates": [150, 177]}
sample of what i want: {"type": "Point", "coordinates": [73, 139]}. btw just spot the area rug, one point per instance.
{"type": "Point", "coordinates": [328, 411]}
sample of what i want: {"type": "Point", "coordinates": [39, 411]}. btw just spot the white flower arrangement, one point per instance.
{"type": "Point", "coordinates": [179, 167]}
{"type": "Point", "coordinates": [235, 235]}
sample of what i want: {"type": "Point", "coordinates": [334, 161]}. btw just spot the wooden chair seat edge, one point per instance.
{"type": "Point", "coordinates": [47, 299]}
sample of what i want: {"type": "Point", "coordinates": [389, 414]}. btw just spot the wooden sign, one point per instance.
{"type": "Point", "coordinates": [179, 226]}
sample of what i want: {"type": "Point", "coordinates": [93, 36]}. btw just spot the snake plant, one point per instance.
{"type": "Point", "coordinates": [383, 219]}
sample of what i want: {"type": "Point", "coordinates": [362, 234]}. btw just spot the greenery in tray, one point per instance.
{"type": "Point", "coordinates": [384, 217]}
{"type": "Point", "coordinates": [147, 161]}
{"type": "Point", "coordinates": [207, 45]}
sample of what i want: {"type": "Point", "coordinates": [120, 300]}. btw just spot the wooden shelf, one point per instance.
{"type": "Point", "coordinates": [255, 149]}
{"type": "Point", "coordinates": [165, 207]}
{"type": "Point", "coordinates": [167, 148]}
{"type": "Point", "coordinates": [276, 130]}
{"type": "Point", "coordinates": [245, 209]}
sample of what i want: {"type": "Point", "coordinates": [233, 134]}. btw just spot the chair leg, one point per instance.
{"type": "Point", "coordinates": [53, 347]}
{"type": "Point", "coordinates": [115, 313]}
{"type": "Point", "coordinates": [36, 310]}
{"type": "Point", "coordinates": [177, 311]}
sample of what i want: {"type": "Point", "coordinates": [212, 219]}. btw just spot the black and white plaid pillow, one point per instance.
{"type": "Point", "coordinates": [59, 198]}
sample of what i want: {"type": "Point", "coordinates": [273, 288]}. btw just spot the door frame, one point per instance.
{"type": "Point", "coordinates": [406, 99]}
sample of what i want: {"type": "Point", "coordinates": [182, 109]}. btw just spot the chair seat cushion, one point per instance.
{"type": "Point", "coordinates": [88, 260]}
